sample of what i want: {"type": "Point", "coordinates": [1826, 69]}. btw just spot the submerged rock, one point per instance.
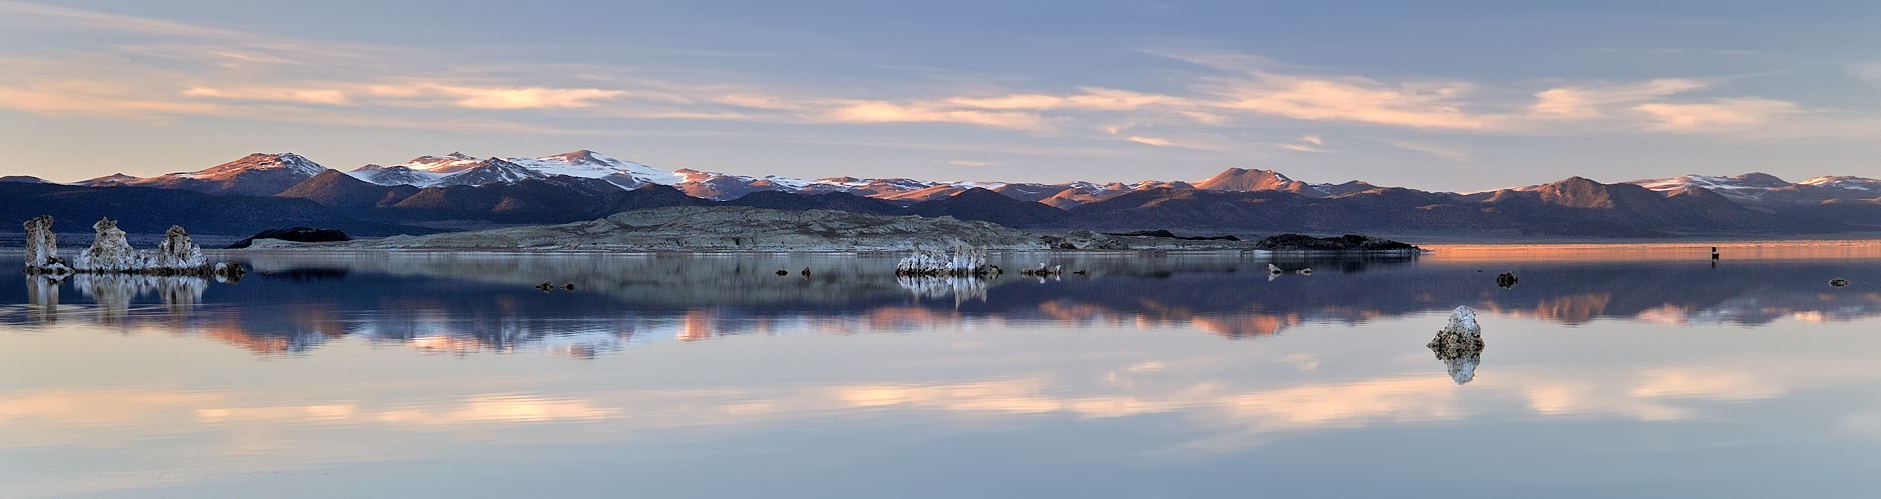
{"type": "Point", "coordinates": [1044, 271]}
{"type": "Point", "coordinates": [1459, 345]}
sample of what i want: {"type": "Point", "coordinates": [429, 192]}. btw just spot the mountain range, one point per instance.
{"type": "Point", "coordinates": [457, 191]}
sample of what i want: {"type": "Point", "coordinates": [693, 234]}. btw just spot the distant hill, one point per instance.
{"type": "Point", "coordinates": [458, 190]}
{"type": "Point", "coordinates": [147, 210]}
{"type": "Point", "coordinates": [982, 204]}
{"type": "Point", "coordinates": [256, 174]}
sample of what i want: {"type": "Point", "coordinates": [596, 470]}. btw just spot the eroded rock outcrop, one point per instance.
{"type": "Point", "coordinates": [962, 261]}
{"type": "Point", "coordinates": [1459, 345]}
{"type": "Point", "coordinates": [177, 251]}
{"type": "Point", "coordinates": [42, 248]}
{"type": "Point", "coordinates": [111, 253]}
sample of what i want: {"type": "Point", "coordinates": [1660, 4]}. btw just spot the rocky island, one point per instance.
{"type": "Point", "coordinates": [110, 253]}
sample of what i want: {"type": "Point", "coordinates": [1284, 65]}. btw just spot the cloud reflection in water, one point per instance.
{"type": "Point", "coordinates": [462, 304]}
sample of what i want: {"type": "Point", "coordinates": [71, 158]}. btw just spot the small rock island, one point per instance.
{"type": "Point", "coordinates": [110, 253]}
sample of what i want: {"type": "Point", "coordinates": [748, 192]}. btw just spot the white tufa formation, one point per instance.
{"type": "Point", "coordinates": [1459, 345]}
{"type": "Point", "coordinates": [110, 252]}
{"type": "Point", "coordinates": [42, 248]}
{"type": "Point", "coordinates": [177, 252]}
{"type": "Point", "coordinates": [964, 260]}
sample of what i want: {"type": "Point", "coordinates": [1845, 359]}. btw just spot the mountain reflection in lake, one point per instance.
{"type": "Point", "coordinates": [466, 302]}
{"type": "Point", "coordinates": [1158, 375]}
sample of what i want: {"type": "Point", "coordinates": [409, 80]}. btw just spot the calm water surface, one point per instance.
{"type": "Point", "coordinates": [1611, 371]}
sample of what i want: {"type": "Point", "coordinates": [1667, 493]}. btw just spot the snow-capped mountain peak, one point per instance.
{"type": "Point", "coordinates": [589, 164]}
{"type": "Point", "coordinates": [450, 169]}
{"type": "Point", "coordinates": [288, 162]}
{"type": "Point", "coordinates": [1844, 182]}
{"type": "Point", "coordinates": [1749, 186]}
{"type": "Point", "coordinates": [449, 163]}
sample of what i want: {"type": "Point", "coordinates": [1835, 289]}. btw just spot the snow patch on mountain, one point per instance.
{"type": "Point", "coordinates": [590, 164]}
{"type": "Point", "coordinates": [1750, 186]}
{"type": "Point", "coordinates": [1844, 182]}
{"type": "Point", "coordinates": [448, 170]}
{"type": "Point", "coordinates": [288, 162]}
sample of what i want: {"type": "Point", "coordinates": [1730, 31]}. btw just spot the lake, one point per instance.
{"type": "Point", "coordinates": [1609, 370]}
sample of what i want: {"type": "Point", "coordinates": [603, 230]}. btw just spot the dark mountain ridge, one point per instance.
{"type": "Point", "coordinates": [148, 210]}
{"type": "Point", "coordinates": [1244, 201]}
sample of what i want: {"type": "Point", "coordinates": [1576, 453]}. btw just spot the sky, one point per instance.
{"type": "Point", "coordinates": [1454, 96]}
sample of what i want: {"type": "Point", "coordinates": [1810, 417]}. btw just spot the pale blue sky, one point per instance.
{"type": "Point", "coordinates": [1431, 95]}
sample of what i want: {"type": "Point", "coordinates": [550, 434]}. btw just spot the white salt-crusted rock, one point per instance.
{"type": "Point", "coordinates": [1459, 345]}
{"type": "Point", "coordinates": [963, 260]}
{"type": "Point", "coordinates": [110, 252]}
{"type": "Point", "coordinates": [42, 248]}
{"type": "Point", "coordinates": [177, 252]}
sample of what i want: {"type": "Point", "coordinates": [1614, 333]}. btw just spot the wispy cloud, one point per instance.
{"type": "Point", "coordinates": [1440, 151]}
{"type": "Point", "coordinates": [499, 97]}
{"type": "Point", "coordinates": [1719, 115]}
{"type": "Point", "coordinates": [295, 95]}
{"type": "Point", "coordinates": [183, 70]}
{"type": "Point", "coordinates": [1355, 99]}
{"type": "Point", "coordinates": [889, 112]}
{"type": "Point", "coordinates": [1595, 101]}
{"type": "Point", "coordinates": [1868, 71]}
{"type": "Point", "coordinates": [1308, 143]}
{"type": "Point", "coordinates": [1151, 141]}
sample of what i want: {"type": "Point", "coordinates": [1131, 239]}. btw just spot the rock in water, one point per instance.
{"type": "Point", "coordinates": [109, 252]}
{"type": "Point", "coordinates": [42, 248]}
{"type": "Point", "coordinates": [1506, 280]}
{"type": "Point", "coordinates": [1348, 242]}
{"type": "Point", "coordinates": [296, 234]}
{"type": "Point", "coordinates": [177, 252]}
{"type": "Point", "coordinates": [1459, 345]}
{"type": "Point", "coordinates": [964, 260]}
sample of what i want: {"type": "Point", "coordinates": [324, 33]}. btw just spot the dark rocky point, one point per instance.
{"type": "Point", "coordinates": [1172, 235]}
{"type": "Point", "coordinates": [1348, 242]}
{"type": "Point", "coordinates": [296, 234]}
